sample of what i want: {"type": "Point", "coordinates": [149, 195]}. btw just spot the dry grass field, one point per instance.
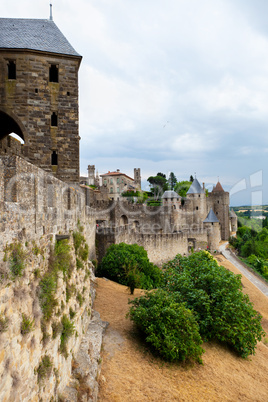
{"type": "Point", "coordinates": [131, 373]}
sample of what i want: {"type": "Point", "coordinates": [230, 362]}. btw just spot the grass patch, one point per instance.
{"type": "Point", "coordinates": [68, 329]}
{"type": "Point", "coordinates": [44, 369]}
{"type": "Point", "coordinates": [59, 261]}
{"type": "Point", "coordinates": [3, 323]}
{"type": "Point", "coordinates": [80, 245]}
{"type": "Point", "coordinates": [56, 329]}
{"type": "Point", "coordinates": [80, 299]}
{"type": "Point", "coordinates": [15, 255]}
{"type": "Point", "coordinates": [27, 325]}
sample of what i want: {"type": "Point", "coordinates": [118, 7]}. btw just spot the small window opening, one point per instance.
{"type": "Point", "coordinates": [54, 120]}
{"type": "Point", "coordinates": [36, 90]}
{"type": "Point", "coordinates": [54, 158]}
{"type": "Point", "coordinates": [53, 73]}
{"type": "Point", "coordinates": [196, 208]}
{"type": "Point", "coordinates": [68, 93]}
{"type": "Point", "coordinates": [11, 70]}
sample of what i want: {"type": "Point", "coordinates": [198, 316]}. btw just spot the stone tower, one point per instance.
{"type": "Point", "coordinates": [91, 175]}
{"type": "Point", "coordinates": [137, 177]}
{"type": "Point", "coordinates": [39, 95]}
{"type": "Point", "coordinates": [212, 225]}
{"type": "Point", "coordinates": [218, 200]}
{"type": "Point", "coordinates": [196, 204]}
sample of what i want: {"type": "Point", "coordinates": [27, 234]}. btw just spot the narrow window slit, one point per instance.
{"type": "Point", "coordinates": [11, 70]}
{"type": "Point", "coordinates": [54, 158]}
{"type": "Point", "coordinates": [54, 120]}
{"type": "Point", "coordinates": [53, 73]}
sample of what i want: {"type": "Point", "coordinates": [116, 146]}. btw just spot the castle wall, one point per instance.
{"type": "Point", "coordinates": [34, 203]}
{"type": "Point", "coordinates": [36, 211]}
{"type": "Point", "coordinates": [160, 247]}
{"type": "Point", "coordinates": [31, 99]}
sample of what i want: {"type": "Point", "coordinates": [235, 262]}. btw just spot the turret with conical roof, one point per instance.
{"type": "Point", "coordinates": [196, 202]}
{"type": "Point", "coordinates": [218, 200]}
{"type": "Point", "coordinates": [195, 188]}
{"type": "Point", "coordinates": [213, 230]}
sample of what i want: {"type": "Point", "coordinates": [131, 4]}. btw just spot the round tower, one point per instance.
{"type": "Point", "coordinates": [196, 204]}
{"type": "Point", "coordinates": [218, 200]}
{"type": "Point", "coordinates": [212, 226]}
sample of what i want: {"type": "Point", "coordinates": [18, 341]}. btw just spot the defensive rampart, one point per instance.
{"type": "Point", "coordinates": [47, 241]}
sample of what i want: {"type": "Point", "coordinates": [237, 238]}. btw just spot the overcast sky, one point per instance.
{"type": "Point", "coordinates": [170, 85]}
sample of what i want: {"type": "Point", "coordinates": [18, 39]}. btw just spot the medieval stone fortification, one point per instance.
{"type": "Point", "coordinates": [42, 207]}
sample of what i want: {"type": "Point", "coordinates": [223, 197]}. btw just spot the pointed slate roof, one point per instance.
{"type": "Point", "coordinates": [34, 34]}
{"type": "Point", "coordinates": [211, 218]}
{"type": "Point", "coordinates": [195, 188]}
{"type": "Point", "coordinates": [218, 188]}
{"type": "Point", "coordinates": [232, 214]}
{"type": "Point", "coordinates": [171, 194]}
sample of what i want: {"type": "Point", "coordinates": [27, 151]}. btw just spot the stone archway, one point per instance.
{"type": "Point", "coordinates": [9, 123]}
{"type": "Point", "coordinates": [123, 220]}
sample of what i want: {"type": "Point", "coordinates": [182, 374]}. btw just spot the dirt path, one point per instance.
{"type": "Point", "coordinates": [131, 373]}
{"type": "Point", "coordinates": [256, 280]}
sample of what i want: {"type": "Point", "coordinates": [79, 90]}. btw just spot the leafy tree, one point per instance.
{"type": "Point", "coordinates": [169, 327]}
{"type": "Point", "coordinates": [129, 265]}
{"type": "Point", "coordinates": [181, 187]}
{"type": "Point", "coordinates": [172, 180]}
{"type": "Point", "coordinates": [198, 300]}
{"type": "Point", "coordinates": [215, 295]}
{"type": "Point", "coordinates": [161, 174]}
{"type": "Point", "coordinates": [252, 244]}
{"type": "Point", "coordinates": [191, 178]}
{"type": "Point", "coordinates": [158, 185]}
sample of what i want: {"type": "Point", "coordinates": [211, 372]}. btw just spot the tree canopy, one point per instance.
{"type": "Point", "coordinates": [172, 180]}
{"type": "Point", "coordinates": [181, 187]}
{"type": "Point", "coordinates": [199, 300]}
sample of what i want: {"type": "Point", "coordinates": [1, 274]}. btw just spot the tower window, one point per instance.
{"type": "Point", "coordinates": [53, 73]}
{"type": "Point", "coordinates": [11, 70]}
{"type": "Point", "coordinates": [36, 90]}
{"type": "Point", "coordinates": [54, 120]}
{"type": "Point", "coordinates": [54, 158]}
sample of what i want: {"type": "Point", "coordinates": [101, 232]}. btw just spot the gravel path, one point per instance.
{"type": "Point", "coordinates": [259, 283]}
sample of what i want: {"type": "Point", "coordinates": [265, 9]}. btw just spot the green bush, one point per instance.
{"type": "Point", "coordinates": [79, 264]}
{"type": "Point", "coordinates": [48, 287]}
{"type": "Point", "coordinates": [215, 296]}
{"type": "Point", "coordinates": [129, 265]}
{"type": "Point", "coordinates": [16, 256]}
{"type": "Point", "coordinates": [44, 369]}
{"type": "Point", "coordinates": [68, 329]}
{"type": "Point", "coordinates": [59, 261]}
{"type": "Point", "coordinates": [27, 325]}
{"type": "Point", "coordinates": [56, 329]}
{"type": "Point", "coordinates": [80, 299]}
{"type": "Point", "coordinates": [80, 245]}
{"type": "Point", "coordinates": [169, 326]}
{"type": "Point", "coordinates": [3, 323]}
{"type": "Point", "coordinates": [63, 257]}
